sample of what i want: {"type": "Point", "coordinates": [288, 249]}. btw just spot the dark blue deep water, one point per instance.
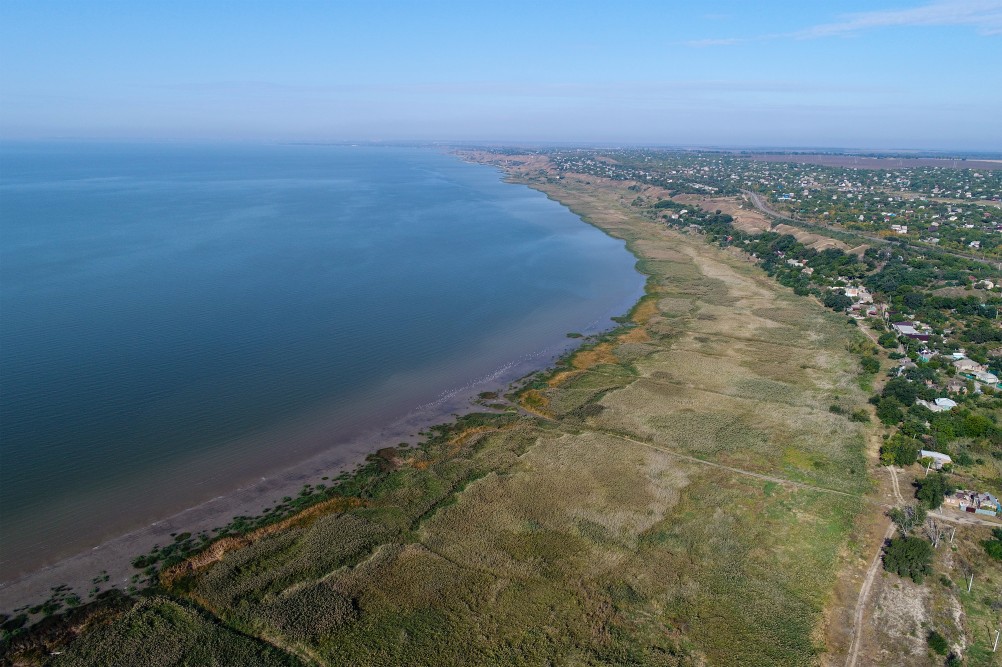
{"type": "Point", "coordinates": [171, 315]}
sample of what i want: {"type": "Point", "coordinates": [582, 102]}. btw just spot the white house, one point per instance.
{"type": "Point", "coordinates": [938, 459]}
{"type": "Point", "coordinates": [938, 405]}
{"type": "Point", "coordinates": [985, 377]}
{"type": "Point", "coordinates": [945, 403]}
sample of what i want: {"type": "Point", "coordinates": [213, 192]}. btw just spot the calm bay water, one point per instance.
{"type": "Point", "coordinates": [175, 320]}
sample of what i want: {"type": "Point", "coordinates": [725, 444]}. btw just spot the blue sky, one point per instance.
{"type": "Point", "coordinates": [880, 73]}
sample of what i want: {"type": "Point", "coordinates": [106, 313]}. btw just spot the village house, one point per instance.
{"type": "Point", "coordinates": [974, 502]}
{"type": "Point", "coordinates": [985, 378]}
{"type": "Point", "coordinates": [939, 404]}
{"type": "Point", "coordinates": [938, 459]}
{"type": "Point", "coordinates": [911, 330]}
{"type": "Point", "coordinates": [965, 365]}
{"type": "Point", "coordinates": [860, 294]}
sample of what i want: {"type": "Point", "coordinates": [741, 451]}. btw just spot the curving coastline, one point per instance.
{"type": "Point", "coordinates": [112, 556]}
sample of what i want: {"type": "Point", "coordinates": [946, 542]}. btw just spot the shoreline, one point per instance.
{"type": "Point", "coordinates": [113, 556]}
{"type": "Point", "coordinates": [635, 431]}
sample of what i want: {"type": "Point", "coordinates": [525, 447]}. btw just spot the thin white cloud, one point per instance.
{"type": "Point", "coordinates": [985, 16]}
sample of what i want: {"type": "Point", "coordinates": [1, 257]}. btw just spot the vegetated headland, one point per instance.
{"type": "Point", "coordinates": [693, 487]}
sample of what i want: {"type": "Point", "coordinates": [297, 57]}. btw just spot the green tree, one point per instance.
{"type": "Point", "coordinates": [888, 340]}
{"type": "Point", "coordinates": [889, 411]}
{"type": "Point", "coordinates": [913, 300]}
{"type": "Point", "coordinates": [837, 301]}
{"type": "Point", "coordinates": [902, 389]}
{"type": "Point", "coordinates": [908, 557]}
{"type": "Point", "coordinates": [932, 489]}
{"type": "Point", "coordinates": [899, 450]}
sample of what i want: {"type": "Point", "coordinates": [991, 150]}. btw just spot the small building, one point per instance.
{"type": "Point", "coordinates": [938, 458]}
{"type": "Point", "coordinates": [904, 328]}
{"type": "Point", "coordinates": [910, 329]}
{"type": "Point", "coordinates": [966, 365]}
{"type": "Point", "coordinates": [939, 405]}
{"type": "Point", "coordinates": [974, 502]}
{"type": "Point", "coordinates": [945, 403]}
{"type": "Point", "coordinates": [984, 377]}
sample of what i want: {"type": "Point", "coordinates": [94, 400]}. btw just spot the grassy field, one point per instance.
{"type": "Point", "coordinates": [676, 493]}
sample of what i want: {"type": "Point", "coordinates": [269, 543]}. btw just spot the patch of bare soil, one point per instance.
{"type": "Point", "coordinates": [898, 623]}
{"type": "Point", "coordinates": [816, 241]}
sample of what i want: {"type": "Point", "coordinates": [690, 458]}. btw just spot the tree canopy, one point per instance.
{"type": "Point", "coordinates": [908, 557]}
{"type": "Point", "coordinates": [932, 489]}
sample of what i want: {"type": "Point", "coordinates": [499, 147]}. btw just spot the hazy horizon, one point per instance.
{"type": "Point", "coordinates": [891, 75]}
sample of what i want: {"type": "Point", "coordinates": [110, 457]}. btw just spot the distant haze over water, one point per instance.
{"type": "Point", "coordinates": [178, 320]}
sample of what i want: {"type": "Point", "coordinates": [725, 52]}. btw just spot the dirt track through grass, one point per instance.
{"type": "Point", "coordinates": [692, 459]}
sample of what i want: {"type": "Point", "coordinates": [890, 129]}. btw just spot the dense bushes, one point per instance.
{"type": "Point", "coordinates": [870, 364]}
{"type": "Point", "coordinates": [888, 340]}
{"type": "Point", "coordinates": [908, 557]}
{"type": "Point", "coordinates": [994, 545]}
{"type": "Point", "coordinates": [938, 643]}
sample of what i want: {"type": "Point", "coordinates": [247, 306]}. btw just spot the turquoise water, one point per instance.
{"type": "Point", "coordinates": [177, 319]}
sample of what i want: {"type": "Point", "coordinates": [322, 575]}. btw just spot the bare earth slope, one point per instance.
{"type": "Point", "coordinates": [678, 493]}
